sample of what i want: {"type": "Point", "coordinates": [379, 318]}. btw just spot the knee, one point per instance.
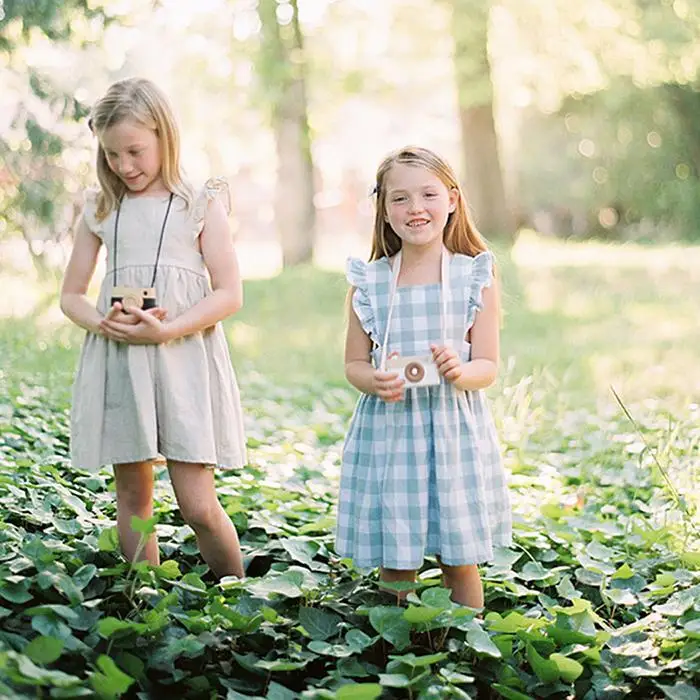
{"type": "Point", "coordinates": [134, 498]}
{"type": "Point", "coordinates": [200, 516]}
{"type": "Point", "coordinates": [459, 574]}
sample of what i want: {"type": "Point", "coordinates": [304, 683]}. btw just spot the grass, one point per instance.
{"type": "Point", "coordinates": [597, 598]}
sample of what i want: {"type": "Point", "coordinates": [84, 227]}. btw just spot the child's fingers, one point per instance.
{"type": "Point", "coordinates": [453, 374]}
{"type": "Point", "coordinates": [113, 311]}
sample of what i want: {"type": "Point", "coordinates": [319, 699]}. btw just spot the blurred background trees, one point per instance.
{"type": "Point", "coordinates": [577, 120]}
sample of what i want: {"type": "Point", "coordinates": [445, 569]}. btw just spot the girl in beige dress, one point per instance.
{"type": "Point", "coordinates": [155, 376]}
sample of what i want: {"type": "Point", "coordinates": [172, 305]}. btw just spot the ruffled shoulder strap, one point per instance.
{"type": "Point", "coordinates": [472, 275]}
{"type": "Point", "coordinates": [214, 188]}
{"type": "Point", "coordinates": [90, 211]}
{"type": "Point", "coordinates": [356, 272]}
{"type": "Point", "coordinates": [481, 277]}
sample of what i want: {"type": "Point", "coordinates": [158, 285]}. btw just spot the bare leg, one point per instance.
{"type": "Point", "coordinates": [201, 510]}
{"type": "Point", "coordinates": [134, 482]}
{"type": "Point", "coordinates": [465, 583]}
{"type": "Point", "coordinates": [397, 575]}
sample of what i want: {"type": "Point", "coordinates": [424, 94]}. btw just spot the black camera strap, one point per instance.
{"type": "Point", "coordinates": [160, 241]}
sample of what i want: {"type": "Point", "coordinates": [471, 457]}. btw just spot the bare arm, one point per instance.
{"type": "Point", "coordinates": [358, 366]}
{"type": "Point", "coordinates": [221, 261]}
{"type": "Point", "coordinates": [482, 369]}
{"type": "Point", "coordinates": [76, 280]}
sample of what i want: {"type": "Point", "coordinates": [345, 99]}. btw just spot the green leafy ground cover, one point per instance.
{"type": "Point", "coordinates": [598, 598]}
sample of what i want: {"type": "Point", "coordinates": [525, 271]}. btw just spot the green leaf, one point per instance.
{"type": "Point", "coordinates": [390, 625]}
{"type": "Point", "coordinates": [300, 549]}
{"type": "Point", "coordinates": [676, 605]}
{"type": "Point", "coordinates": [45, 677]}
{"type": "Point", "coordinates": [679, 691]}
{"type": "Point", "coordinates": [621, 596]}
{"type": "Point", "coordinates": [480, 642]}
{"type": "Point", "coordinates": [513, 622]}
{"type": "Point", "coordinates": [108, 626]}
{"type": "Point", "coordinates": [319, 624]}
{"type": "Point", "coordinates": [547, 671]}
{"type": "Point", "coordinates": [339, 651]}
{"type": "Point", "coordinates": [692, 628]}
{"type": "Point", "coordinates": [44, 650]}
{"type": "Point", "coordinates": [281, 665]}
{"type": "Point", "coordinates": [437, 597]}
{"type": "Point", "coordinates": [625, 571]}
{"type": "Point", "coordinates": [168, 570]}
{"type": "Point", "coordinates": [67, 527]}
{"type": "Point", "coordinates": [359, 691]}
{"type": "Point", "coordinates": [420, 661]}
{"type": "Point", "coordinates": [108, 541]}
{"type": "Point", "coordinates": [417, 615]}
{"type": "Point", "coordinates": [569, 669]}
{"type": "Point", "coordinates": [144, 527]}
{"type": "Point", "coordinates": [16, 592]}
{"type": "Point", "coordinates": [358, 641]}
{"type": "Point", "coordinates": [110, 682]}
{"type": "Point", "coordinates": [510, 693]}
{"type": "Point", "coordinates": [394, 680]}
{"type": "Point", "coordinates": [533, 571]}
{"type": "Point", "coordinates": [83, 576]}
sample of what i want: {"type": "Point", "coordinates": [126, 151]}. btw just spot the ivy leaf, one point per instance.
{"type": "Point", "coordinates": [145, 526]}
{"type": "Point", "coordinates": [358, 641]}
{"type": "Point", "coordinates": [547, 671]}
{"type": "Point", "coordinates": [480, 642]}
{"type": "Point", "coordinates": [300, 549]}
{"type": "Point", "coordinates": [679, 691]}
{"type": "Point", "coordinates": [44, 650]}
{"type": "Point", "coordinates": [110, 682]}
{"type": "Point", "coordinates": [358, 691]}
{"type": "Point", "coordinates": [390, 625]}
{"type": "Point", "coordinates": [83, 576]}
{"type": "Point", "coordinates": [319, 624]}
{"type": "Point", "coordinates": [339, 651]}
{"type": "Point", "coordinates": [108, 541]}
{"type": "Point", "coordinates": [569, 669]}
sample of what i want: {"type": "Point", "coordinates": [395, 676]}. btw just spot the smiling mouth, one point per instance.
{"type": "Point", "coordinates": [417, 223]}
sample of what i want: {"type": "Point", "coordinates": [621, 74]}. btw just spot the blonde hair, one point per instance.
{"type": "Point", "coordinates": [138, 99]}
{"type": "Point", "coordinates": [460, 234]}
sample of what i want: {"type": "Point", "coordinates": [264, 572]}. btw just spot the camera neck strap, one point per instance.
{"type": "Point", "coordinates": [444, 282]}
{"type": "Point", "coordinates": [160, 241]}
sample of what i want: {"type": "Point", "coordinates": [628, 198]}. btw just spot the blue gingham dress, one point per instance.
{"type": "Point", "coordinates": [421, 476]}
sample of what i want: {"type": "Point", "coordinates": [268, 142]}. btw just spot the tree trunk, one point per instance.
{"type": "Point", "coordinates": [282, 69]}
{"type": "Point", "coordinates": [485, 191]}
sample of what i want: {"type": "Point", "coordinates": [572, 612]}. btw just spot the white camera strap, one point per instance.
{"type": "Point", "coordinates": [460, 402]}
{"type": "Point", "coordinates": [444, 282]}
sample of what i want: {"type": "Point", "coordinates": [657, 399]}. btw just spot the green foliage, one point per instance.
{"type": "Point", "coordinates": [600, 593]}
{"type": "Point", "coordinates": [634, 174]}
{"type": "Point", "coordinates": [34, 193]}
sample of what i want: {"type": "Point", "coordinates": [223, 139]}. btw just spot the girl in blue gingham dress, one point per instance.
{"type": "Point", "coordinates": [421, 471]}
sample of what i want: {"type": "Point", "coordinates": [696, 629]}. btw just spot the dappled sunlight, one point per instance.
{"type": "Point", "coordinates": [604, 315]}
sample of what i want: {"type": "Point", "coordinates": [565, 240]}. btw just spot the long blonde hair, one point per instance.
{"type": "Point", "coordinates": [138, 99]}
{"type": "Point", "coordinates": [460, 234]}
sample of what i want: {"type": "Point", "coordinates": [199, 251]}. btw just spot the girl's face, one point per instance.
{"type": "Point", "coordinates": [133, 155]}
{"type": "Point", "coordinates": [417, 204]}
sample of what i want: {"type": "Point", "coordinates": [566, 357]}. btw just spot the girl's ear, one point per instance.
{"type": "Point", "coordinates": [454, 199]}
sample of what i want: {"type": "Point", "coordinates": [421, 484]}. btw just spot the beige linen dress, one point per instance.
{"type": "Point", "coordinates": [179, 399]}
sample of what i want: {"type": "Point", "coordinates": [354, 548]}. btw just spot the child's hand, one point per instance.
{"type": "Point", "coordinates": [387, 386]}
{"type": "Point", "coordinates": [137, 327]}
{"type": "Point", "coordinates": [117, 313]}
{"type": "Point", "coordinates": [448, 362]}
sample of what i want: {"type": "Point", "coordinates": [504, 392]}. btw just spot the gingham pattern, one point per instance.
{"type": "Point", "coordinates": [421, 476]}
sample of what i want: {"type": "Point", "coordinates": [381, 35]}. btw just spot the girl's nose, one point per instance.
{"type": "Point", "coordinates": [415, 204]}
